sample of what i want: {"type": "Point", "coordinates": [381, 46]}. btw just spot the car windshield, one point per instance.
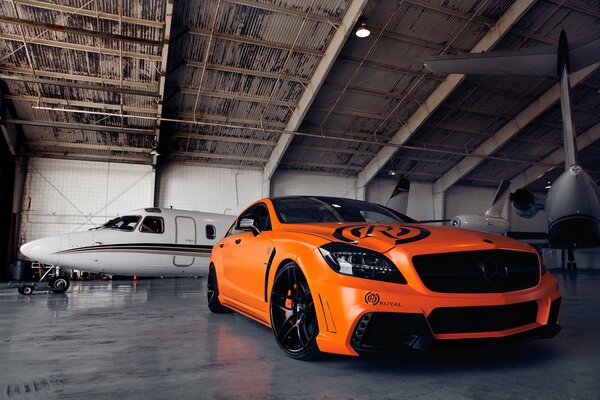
{"type": "Point", "coordinates": [126, 223]}
{"type": "Point", "coordinates": [301, 210]}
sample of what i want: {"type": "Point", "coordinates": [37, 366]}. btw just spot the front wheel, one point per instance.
{"type": "Point", "coordinates": [212, 293]}
{"type": "Point", "coordinates": [293, 315]}
{"type": "Point", "coordinates": [59, 284]}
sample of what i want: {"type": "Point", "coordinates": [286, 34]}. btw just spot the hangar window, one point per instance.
{"type": "Point", "coordinates": [126, 223]}
{"type": "Point", "coordinates": [211, 232]}
{"type": "Point", "coordinates": [152, 225]}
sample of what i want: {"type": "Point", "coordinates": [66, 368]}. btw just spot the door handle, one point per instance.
{"type": "Point", "coordinates": [237, 241]}
{"type": "Point", "coordinates": [221, 245]}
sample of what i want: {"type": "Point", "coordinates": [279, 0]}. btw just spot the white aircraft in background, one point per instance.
{"type": "Point", "coordinates": [144, 242]}
{"type": "Point", "coordinates": [492, 220]}
{"type": "Point", "coordinates": [573, 202]}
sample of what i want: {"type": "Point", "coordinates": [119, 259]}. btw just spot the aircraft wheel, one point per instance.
{"type": "Point", "coordinates": [212, 293]}
{"type": "Point", "coordinates": [25, 289]}
{"type": "Point", "coordinates": [59, 284]}
{"type": "Point", "coordinates": [293, 315]}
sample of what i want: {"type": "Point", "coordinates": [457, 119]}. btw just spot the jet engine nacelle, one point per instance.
{"type": "Point", "coordinates": [524, 203]}
{"type": "Point", "coordinates": [481, 223]}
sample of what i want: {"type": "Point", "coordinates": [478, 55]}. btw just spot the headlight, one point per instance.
{"type": "Point", "coordinates": [359, 262]}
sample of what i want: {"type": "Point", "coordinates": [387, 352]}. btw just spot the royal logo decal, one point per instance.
{"type": "Point", "coordinates": [374, 299]}
{"type": "Point", "coordinates": [396, 234]}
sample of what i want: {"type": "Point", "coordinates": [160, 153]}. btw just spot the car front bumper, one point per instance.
{"type": "Point", "coordinates": [364, 316]}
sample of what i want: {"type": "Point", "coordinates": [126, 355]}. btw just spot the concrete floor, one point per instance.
{"type": "Point", "coordinates": [155, 339]}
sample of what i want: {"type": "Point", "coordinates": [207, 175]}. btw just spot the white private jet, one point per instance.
{"type": "Point", "coordinates": [144, 242]}
{"type": "Point", "coordinates": [490, 221]}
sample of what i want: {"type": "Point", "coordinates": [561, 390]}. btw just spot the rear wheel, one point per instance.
{"type": "Point", "coordinates": [293, 315]}
{"type": "Point", "coordinates": [25, 289]}
{"type": "Point", "coordinates": [212, 293]}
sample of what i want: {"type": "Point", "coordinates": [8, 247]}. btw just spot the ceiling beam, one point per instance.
{"type": "Point", "coordinates": [80, 47]}
{"type": "Point", "coordinates": [557, 157]}
{"type": "Point", "coordinates": [90, 13]}
{"type": "Point", "coordinates": [255, 41]}
{"type": "Point", "coordinates": [302, 163]}
{"type": "Point", "coordinates": [577, 7]}
{"type": "Point", "coordinates": [236, 96]}
{"type": "Point", "coordinates": [356, 113]}
{"type": "Point", "coordinates": [335, 46]}
{"type": "Point", "coordinates": [163, 74]}
{"type": "Point", "coordinates": [287, 11]}
{"type": "Point", "coordinates": [140, 159]}
{"type": "Point", "coordinates": [24, 74]}
{"type": "Point", "coordinates": [198, 154]}
{"type": "Point", "coordinates": [78, 103]}
{"type": "Point", "coordinates": [363, 90]}
{"type": "Point", "coordinates": [439, 95]}
{"type": "Point", "coordinates": [341, 150]}
{"type": "Point", "coordinates": [476, 18]}
{"type": "Point", "coordinates": [392, 68]}
{"type": "Point", "coordinates": [89, 146]}
{"type": "Point", "coordinates": [245, 71]}
{"type": "Point", "coordinates": [84, 127]}
{"type": "Point", "coordinates": [478, 132]}
{"type": "Point", "coordinates": [78, 31]}
{"type": "Point", "coordinates": [232, 120]}
{"type": "Point", "coordinates": [414, 41]}
{"type": "Point", "coordinates": [228, 139]}
{"type": "Point", "coordinates": [87, 86]}
{"type": "Point", "coordinates": [508, 131]}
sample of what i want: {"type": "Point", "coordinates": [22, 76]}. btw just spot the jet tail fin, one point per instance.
{"type": "Point", "coordinates": [495, 209]}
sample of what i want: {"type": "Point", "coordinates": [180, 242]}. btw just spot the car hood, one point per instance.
{"type": "Point", "coordinates": [417, 237]}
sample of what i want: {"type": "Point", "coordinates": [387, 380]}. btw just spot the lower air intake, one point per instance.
{"type": "Point", "coordinates": [482, 319]}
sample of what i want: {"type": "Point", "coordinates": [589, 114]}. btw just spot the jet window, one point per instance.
{"type": "Point", "coordinates": [126, 223]}
{"type": "Point", "coordinates": [152, 225]}
{"type": "Point", "coordinates": [211, 232]}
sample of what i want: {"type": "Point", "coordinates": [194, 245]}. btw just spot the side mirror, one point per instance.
{"type": "Point", "coordinates": [248, 224]}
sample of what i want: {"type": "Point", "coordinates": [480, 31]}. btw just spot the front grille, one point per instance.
{"type": "Point", "coordinates": [483, 318]}
{"type": "Point", "coordinates": [491, 271]}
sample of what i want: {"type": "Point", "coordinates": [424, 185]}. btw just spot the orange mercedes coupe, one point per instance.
{"type": "Point", "coordinates": [345, 276]}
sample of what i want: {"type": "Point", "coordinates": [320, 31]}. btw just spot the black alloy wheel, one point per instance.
{"type": "Point", "coordinates": [212, 293]}
{"type": "Point", "coordinates": [293, 315]}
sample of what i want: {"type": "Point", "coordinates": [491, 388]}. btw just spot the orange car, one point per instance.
{"type": "Point", "coordinates": [345, 276]}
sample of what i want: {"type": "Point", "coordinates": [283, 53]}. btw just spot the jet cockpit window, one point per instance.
{"type": "Point", "coordinates": [126, 223]}
{"type": "Point", "coordinates": [152, 225]}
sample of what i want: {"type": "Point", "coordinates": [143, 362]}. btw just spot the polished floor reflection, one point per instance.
{"type": "Point", "coordinates": [156, 339]}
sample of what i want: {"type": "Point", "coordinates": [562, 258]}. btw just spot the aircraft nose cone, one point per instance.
{"type": "Point", "coordinates": [42, 250]}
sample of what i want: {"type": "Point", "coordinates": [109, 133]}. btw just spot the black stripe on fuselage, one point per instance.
{"type": "Point", "coordinates": [153, 248]}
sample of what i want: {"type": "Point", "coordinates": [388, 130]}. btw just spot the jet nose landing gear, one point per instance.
{"type": "Point", "coordinates": [52, 280]}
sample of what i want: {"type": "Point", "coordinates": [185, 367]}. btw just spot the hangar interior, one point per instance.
{"type": "Point", "coordinates": [108, 106]}
{"type": "Point", "coordinates": [209, 105]}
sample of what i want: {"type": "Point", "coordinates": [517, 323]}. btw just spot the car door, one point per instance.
{"type": "Point", "coordinates": [245, 254]}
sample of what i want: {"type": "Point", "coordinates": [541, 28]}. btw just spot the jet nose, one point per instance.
{"type": "Point", "coordinates": [42, 250]}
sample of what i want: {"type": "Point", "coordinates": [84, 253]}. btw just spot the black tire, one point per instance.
{"type": "Point", "coordinates": [59, 284]}
{"type": "Point", "coordinates": [212, 293]}
{"type": "Point", "coordinates": [293, 314]}
{"type": "Point", "coordinates": [25, 289]}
